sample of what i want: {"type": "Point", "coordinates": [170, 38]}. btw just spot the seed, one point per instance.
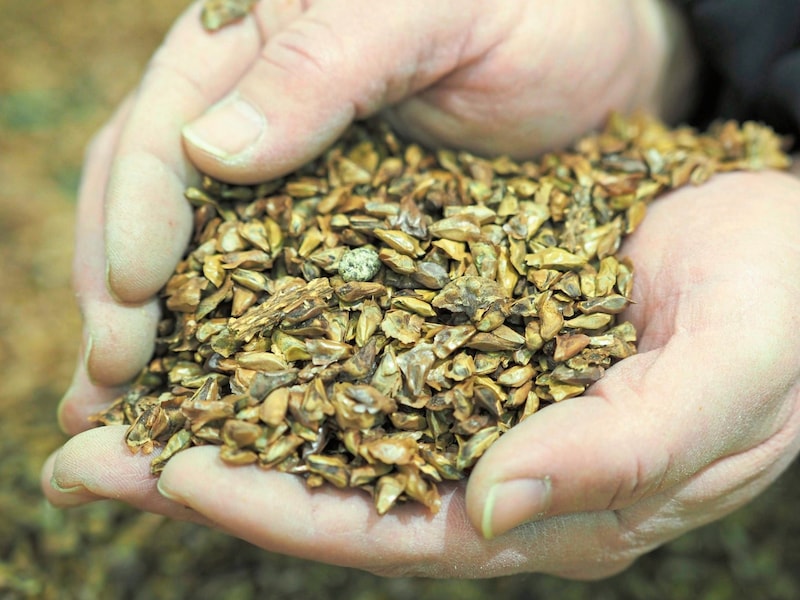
{"type": "Point", "coordinates": [332, 468]}
{"type": "Point", "coordinates": [219, 13]}
{"type": "Point", "coordinates": [388, 490]}
{"type": "Point", "coordinates": [400, 241]}
{"type": "Point", "coordinates": [391, 450]}
{"type": "Point", "coordinates": [461, 228]}
{"type": "Point", "coordinates": [272, 410]}
{"type": "Point", "coordinates": [397, 261]}
{"type": "Point", "coordinates": [589, 321]}
{"type": "Point", "coordinates": [554, 258]}
{"type": "Point", "coordinates": [516, 376]}
{"type": "Point", "coordinates": [414, 305]}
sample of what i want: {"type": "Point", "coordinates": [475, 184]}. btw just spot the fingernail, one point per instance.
{"type": "Point", "coordinates": [65, 402]}
{"type": "Point", "coordinates": [68, 489]}
{"type": "Point", "coordinates": [169, 495]}
{"type": "Point", "coordinates": [87, 354]}
{"type": "Point", "coordinates": [511, 503]}
{"type": "Point", "coordinates": [110, 283]}
{"type": "Point", "coordinates": [228, 129]}
{"type": "Point", "coordinates": [73, 495]}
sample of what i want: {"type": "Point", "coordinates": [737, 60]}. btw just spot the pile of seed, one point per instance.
{"type": "Point", "coordinates": [380, 317]}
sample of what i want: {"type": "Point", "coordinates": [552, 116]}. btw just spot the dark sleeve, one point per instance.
{"type": "Point", "coordinates": [751, 50]}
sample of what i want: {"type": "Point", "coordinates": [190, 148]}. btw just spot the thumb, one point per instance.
{"type": "Point", "coordinates": [320, 71]}
{"type": "Point", "coordinates": [655, 420]}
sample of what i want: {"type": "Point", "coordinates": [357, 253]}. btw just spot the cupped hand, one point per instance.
{"type": "Point", "coordinates": [261, 97]}
{"type": "Point", "coordinates": [694, 426]}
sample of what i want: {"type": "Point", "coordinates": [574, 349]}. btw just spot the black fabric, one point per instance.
{"type": "Point", "coordinates": [751, 50]}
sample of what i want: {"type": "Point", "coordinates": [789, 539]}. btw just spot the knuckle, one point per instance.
{"type": "Point", "coordinates": [163, 67]}
{"type": "Point", "coordinates": [639, 479]}
{"type": "Point", "coordinates": [633, 537]}
{"type": "Point", "coordinates": [308, 45]}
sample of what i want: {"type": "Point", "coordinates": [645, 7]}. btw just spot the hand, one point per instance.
{"type": "Point", "coordinates": [694, 426]}
{"type": "Point", "coordinates": [517, 79]}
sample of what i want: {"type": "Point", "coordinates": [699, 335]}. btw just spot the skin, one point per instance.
{"type": "Point", "coordinates": [694, 426]}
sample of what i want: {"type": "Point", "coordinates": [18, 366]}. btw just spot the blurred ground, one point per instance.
{"type": "Point", "coordinates": [63, 67]}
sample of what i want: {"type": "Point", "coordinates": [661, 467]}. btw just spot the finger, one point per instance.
{"type": "Point", "coordinates": [709, 384]}
{"type": "Point", "coordinates": [117, 339]}
{"type": "Point", "coordinates": [278, 512]}
{"type": "Point", "coordinates": [148, 221]}
{"type": "Point", "coordinates": [321, 71]}
{"type": "Point", "coordinates": [82, 400]}
{"type": "Point", "coordinates": [315, 524]}
{"type": "Point", "coordinates": [84, 397]}
{"type": "Point", "coordinates": [97, 465]}
{"type": "Point", "coordinates": [715, 491]}
{"type": "Point", "coordinates": [60, 494]}
{"type": "Point", "coordinates": [340, 527]}
{"type": "Point", "coordinates": [337, 527]}
{"type": "Point", "coordinates": [654, 421]}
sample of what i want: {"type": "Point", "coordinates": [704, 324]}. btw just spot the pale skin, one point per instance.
{"type": "Point", "coordinates": [697, 424]}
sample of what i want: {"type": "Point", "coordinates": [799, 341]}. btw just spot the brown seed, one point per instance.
{"type": "Point", "coordinates": [402, 325]}
{"type": "Point", "coordinates": [397, 261]}
{"type": "Point", "coordinates": [369, 320]}
{"type": "Point", "coordinates": [460, 228]}
{"type": "Point", "coordinates": [414, 305]}
{"type": "Point", "coordinates": [331, 468]}
{"type": "Point", "coordinates": [219, 13]}
{"type": "Point", "coordinates": [589, 321]}
{"type": "Point", "coordinates": [516, 376]}
{"type": "Point", "coordinates": [365, 474]}
{"type": "Point", "coordinates": [272, 410]}
{"type": "Point", "coordinates": [391, 450]}
{"type": "Point", "coordinates": [470, 450]}
{"type": "Point", "coordinates": [387, 491]}
{"type": "Point", "coordinates": [400, 241]}
{"type": "Point", "coordinates": [239, 434]}
{"type": "Point", "coordinates": [450, 339]}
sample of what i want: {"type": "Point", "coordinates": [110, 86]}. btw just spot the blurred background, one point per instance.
{"type": "Point", "coordinates": [63, 67]}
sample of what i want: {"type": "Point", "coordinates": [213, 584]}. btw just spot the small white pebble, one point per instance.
{"type": "Point", "coordinates": [359, 264]}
